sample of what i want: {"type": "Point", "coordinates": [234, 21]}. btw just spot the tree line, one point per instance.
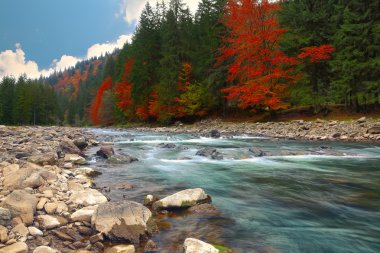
{"type": "Point", "coordinates": [230, 56]}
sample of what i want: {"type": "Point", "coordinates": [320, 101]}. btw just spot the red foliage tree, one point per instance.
{"type": "Point", "coordinates": [124, 88]}
{"type": "Point", "coordinates": [97, 102]}
{"type": "Point", "coordinates": [259, 71]}
{"type": "Point", "coordinates": [316, 54]}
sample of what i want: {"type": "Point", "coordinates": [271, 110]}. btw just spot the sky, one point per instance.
{"type": "Point", "coordinates": [38, 37]}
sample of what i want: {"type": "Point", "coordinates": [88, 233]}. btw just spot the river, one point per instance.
{"type": "Point", "coordinates": [304, 197]}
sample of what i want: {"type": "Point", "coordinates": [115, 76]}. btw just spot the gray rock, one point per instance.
{"type": "Point", "coordinates": [256, 152]}
{"type": "Point", "coordinates": [68, 146]}
{"type": "Point", "coordinates": [81, 143]}
{"type": "Point", "coordinates": [215, 134]}
{"type": "Point", "coordinates": [118, 158]}
{"type": "Point", "coordinates": [210, 153]}
{"type": "Point", "coordinates": [123, 220]}
{"type": "Point", "coordinates": [5, 216]}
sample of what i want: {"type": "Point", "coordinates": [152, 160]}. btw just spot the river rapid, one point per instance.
{"type": "Point", "coordinates": [300, 197]}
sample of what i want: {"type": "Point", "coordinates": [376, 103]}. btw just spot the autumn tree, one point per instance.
{"type": "Point", "coordinates": [123, 90]}
{"type": "Point", "coordinates": [97, 102]}
{"type": "Point", "coordinates": [259, 72]}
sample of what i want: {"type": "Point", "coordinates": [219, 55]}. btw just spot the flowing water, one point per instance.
{"type": "Point", "coordinates": [302, 198]}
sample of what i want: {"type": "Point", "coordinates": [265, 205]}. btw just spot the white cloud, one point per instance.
{"type": "Point", "coordinates": [14, 63]}
{"type": "Point", "coordinates": [131, 9]}
{"type": "Point", "coordinates": [101, 49]}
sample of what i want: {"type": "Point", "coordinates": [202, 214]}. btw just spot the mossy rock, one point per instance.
{"type": "Point", "coordinates": [222, 249]}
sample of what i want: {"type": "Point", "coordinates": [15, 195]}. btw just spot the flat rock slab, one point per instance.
{"type": "Point", "coordinates": [51, 221]}
{"type": "Point", "coordinates": [87, 197]}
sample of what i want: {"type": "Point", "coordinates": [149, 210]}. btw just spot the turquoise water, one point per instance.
{"type": "Point", "coordinates": [301, 198]}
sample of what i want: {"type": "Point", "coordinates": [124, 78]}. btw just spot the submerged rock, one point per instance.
{"type": "Point", "coordinates": [123, 221]}
{"type": "Point", "coordinates": [105, 152]}
{"type": "Point", "coordinates": [210, 153]}
{"type": "Point", "coordinates": [122, 159]}
{"type": "Point", "coordinates": [192, 245]}
{"type": "Point", "coordinates": [214, 134]}
{"type": "Point", "coordinates": [183, 199]}
{"type": "Point", "coordinates": [256, 152]}
{"type": "Point", "coordinates": [203, 209]}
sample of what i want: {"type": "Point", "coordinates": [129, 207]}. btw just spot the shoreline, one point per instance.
{"type": "Point", "coordinates": [361, 130]}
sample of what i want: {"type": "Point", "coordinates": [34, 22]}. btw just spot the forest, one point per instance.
{"type": "Point", "coordinates": [230, 56]}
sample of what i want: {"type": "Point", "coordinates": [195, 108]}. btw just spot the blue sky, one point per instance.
{"type": "Point", "coordinates": [38, 37]}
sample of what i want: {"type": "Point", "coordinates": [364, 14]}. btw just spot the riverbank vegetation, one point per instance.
{"type": "Point", "coordinates": [230, 57]}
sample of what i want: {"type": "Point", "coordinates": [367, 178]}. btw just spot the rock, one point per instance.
{"type": "Point", "coordinates": [68, 147]}
{"type": "Point", "coordinates": [374, 130]}
{"type": "Point", "coordinates": [123, 186]}
{"type": "Point", "coordinates": [20, 155]}
{"type": "Point", "coordinates": [44, 159]}
{"type": "Point", "coordinates": [120, 249]}
{"type": "Point", "coordinates": [61, 207]}
{"type": "Point", "coordinates": [192, 245]}
{"type": "Point", "coordinates": [18, 247]}
{"type": "Point", "coordinates": [41, 203]}
{"type": "Point", "coordinates": [51, 221]}
{"type": "Point", "coordinates": [10, 169]}
{"type": "Point", "coordinates": [215, 134]}
{"type": "Point", "coordinates": [5, 216]}
{"type": "Point", "coordinates": [123, 220]}
{"type": "Point", "coordinates": [336, 135]}
{"type": "Point", "coordinates": [21, 230]}
{"type": "Point", "coordinates": [81, 143]}
{"type": "Point", "coordinates": [203, 209]}
{"type": "Point", "coordinates": [35, 231]}
{"type": "Point", "coordinates": [149, 199]}
{"type": "Point", "coordinates": [21, 203]}
{"type": "Point", "coordinates": [50, 208]}
{"type": "Point", "coordinates": [63, 236]}
{"type": "Point", "coordinates": [210, 153]}
{"type": "Point", "coordinates": [87, 197]}
{"type": "Point", "coordinates": [151, 247]}
{"type": "Point", "coordinates": [90, 172]}
{"type": "Point", "coordinates": [84, 230]}
{"type": "Point", "coordinates": [256, 152]}
{"type": "Point", "coordinates": [84, 214]}
{"type": "Point", "coordinates": [122, 159]}
{"type": "Point", "coordinates": [105, 152]}
{"type": "Point", "coordinates": [166, 145]}
{"type": "Point", "coordinates": [362, 120]}
{"type": "Point", "coordinates": [75, 159]}
{"type": "Point", "coordinates": [96, 238]}
{"type": "Point", "coordinates": [3, 234]}
{"type": "Point", "coordinates": [183, 199]}
{"type": "Point", "coordinates": [45, 249]}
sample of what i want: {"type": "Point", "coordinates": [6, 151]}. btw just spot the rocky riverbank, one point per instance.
{"type": "Point", "coordinates": [362, 129]}
{"type": "Point", "coordinates": [48, 202]}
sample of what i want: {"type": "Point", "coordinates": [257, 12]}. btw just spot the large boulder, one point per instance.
{"type": "Point", "coordinates": [210, 153]}
{"type": "Point", "coordinates": [183, 199]}
{"type": "Point", "coordinates": [214, 134]}
{"type": "Point", "coordinates": [21, 204]}
{"type": "Point", "coordinates": [68, 146]}
{"type": "Point", "coordinates": [123, 221]}
{"type": "Point", "coordinates": [28, 176]}
{"type": "Point", "coordinates": [192, 245]}
{"type": "Point", "coordinates": [81, 143]}
{"type": "Point", "coordinates": [105, 152]}
{"type": "Point", "coordinates": [44, 159]}
{"type": "Point", "coordinates": [18, 247]}
{"type": "Point", "coordinates": [87, 197]}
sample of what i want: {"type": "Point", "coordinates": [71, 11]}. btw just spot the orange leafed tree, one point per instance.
{"type": "Point", "coordinates": [123, 90]}
{"type": "Point", "coordinates": [97, 102]}
{"type": "Point", "coordinates": [258, 70]}
{"type": "Point", "coordinates": [316, 54]}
